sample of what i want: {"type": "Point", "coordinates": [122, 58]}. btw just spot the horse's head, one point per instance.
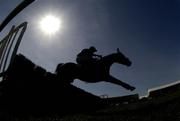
{"type": "Point", "coordinates": [122, 59]}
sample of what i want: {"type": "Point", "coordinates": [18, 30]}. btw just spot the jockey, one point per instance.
{"type": "Point", "coordinates": [87, 56]}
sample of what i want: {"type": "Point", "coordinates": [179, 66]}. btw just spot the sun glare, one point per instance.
{"type": "Point", "coordinates": [50, 24]}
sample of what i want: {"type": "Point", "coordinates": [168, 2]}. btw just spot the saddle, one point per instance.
{"type": "Point", "coordinates": [89, 66]}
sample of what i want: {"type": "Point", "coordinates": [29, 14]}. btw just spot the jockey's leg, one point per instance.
{"type": "Point", "coordinates": [113, 80]}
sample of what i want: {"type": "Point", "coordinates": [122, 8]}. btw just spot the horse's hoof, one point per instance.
{"type": "Point", "coordinates": [132, 88]}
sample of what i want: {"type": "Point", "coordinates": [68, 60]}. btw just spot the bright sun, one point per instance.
{"type": "Point", "coordinates": [50, 24]}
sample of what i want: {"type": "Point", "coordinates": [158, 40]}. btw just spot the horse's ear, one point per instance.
{"type": "Point", "coordinates": [118, 50]}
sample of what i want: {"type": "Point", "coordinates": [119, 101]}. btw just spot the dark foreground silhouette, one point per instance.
{"type": "Point", "coordinates": [29, 88]}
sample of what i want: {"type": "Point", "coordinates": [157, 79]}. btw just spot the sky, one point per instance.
{"type": "Point", "coordinates": [147, 32]}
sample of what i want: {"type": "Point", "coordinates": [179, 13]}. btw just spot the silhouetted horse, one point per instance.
{"type": "Point", "coordinates": [94, 73]}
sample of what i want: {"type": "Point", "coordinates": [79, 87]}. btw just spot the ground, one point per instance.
{"type": "Point", "coordinates": [159, 109]}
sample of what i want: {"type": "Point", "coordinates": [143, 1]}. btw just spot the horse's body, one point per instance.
{"type": "Point", "coordinates": [96, 72]}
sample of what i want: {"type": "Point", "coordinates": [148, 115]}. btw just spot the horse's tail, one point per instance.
{"type": "Point", "coordinates": [58, 67]}
{"type": "Point", "coordinates": [66, 72]}
{"type": "Point", "coordinates": [65, 67]}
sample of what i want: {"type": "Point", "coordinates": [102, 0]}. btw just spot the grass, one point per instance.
{"type": "Point", "coordinates": [149, 110]}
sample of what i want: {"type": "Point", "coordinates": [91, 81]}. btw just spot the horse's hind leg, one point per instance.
{"type": "Point", "coordinates": [113, 80]}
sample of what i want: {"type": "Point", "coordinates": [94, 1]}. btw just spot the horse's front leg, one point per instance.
{"type": "Point", "coordinates": [119, 82]}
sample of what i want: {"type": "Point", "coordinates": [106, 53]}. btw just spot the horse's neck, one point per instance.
{"type": "Point", "coordinates": [110, 59]}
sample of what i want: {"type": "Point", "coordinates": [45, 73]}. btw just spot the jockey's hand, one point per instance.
{"type": "Point", "coordinates": [100, 56]}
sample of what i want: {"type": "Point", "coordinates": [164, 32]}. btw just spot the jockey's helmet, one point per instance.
{"type": "Point", "coordinates": [92, 48]}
